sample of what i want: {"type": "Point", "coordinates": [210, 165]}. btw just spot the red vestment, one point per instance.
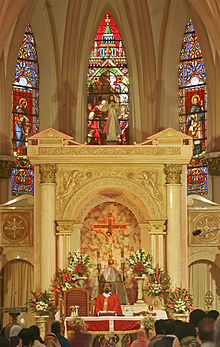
{"type": "Point", "coordinates": [113, 304]}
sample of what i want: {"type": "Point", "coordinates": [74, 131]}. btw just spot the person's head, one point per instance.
{"type": "Point", "coordinates": [205, 329]}
{"type": "Point", "coordinates": [185, 330]}
{"type": "Point", "coordinates": [159, 326]}
{"type": "Point", "coordinates": [111, 98]}
{"type": "Point", "coordinates": [195, 99]}
{"type": "Point", "coordinates": [22, 333]}
{"type": "Point", "coordinates": [55, 327]}
{"type": "Point", "coordinates": [15, 329]}
{"type": "Point", "coordinates": [217, 332]}
{"type": "Point", "coordinates": [7, 329]}
{"type": "Point", "coordinates": [196, 316]}
{"type": "Point", "coordinates": [35, 331]}
{"type": "Point", "coordinates": [141, 335]}
{"type": "Point", "coordinates": [107, 287]}
{"type": "Point", "coordinates": [23, 103]}
{"type": "Point", "coordinates": [29, 338]}
{"type": "Point", "coordinates": [213, 314]}
{"type": "Point", "coordinates": [169, 326]}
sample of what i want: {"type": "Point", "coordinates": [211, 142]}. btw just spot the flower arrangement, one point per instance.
{"type": "Point", "coordinates": [140, 263]}
{"type": "Point", "coordinates": [41, 302]}
{"type": "Point", "coordinates": [79, 264]}
{"type": "Point", "coordinates": [77, 323]}
{"type": "Point", "coordinates": [63, 280]}
{"type": "Point", "coordinates": [180, 301]}
{"type": "Point", "coordinates": [147, 323]}
{"type": "Point", "coordinates": [158, 283]}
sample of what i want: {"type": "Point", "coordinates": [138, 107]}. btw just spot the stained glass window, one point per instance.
{"type": "Point", "coordinates": [193, 108]}
{"type": "Point", "coordinates": [108, 87]}
{"type": "Point", "coordinates": [25, 113]}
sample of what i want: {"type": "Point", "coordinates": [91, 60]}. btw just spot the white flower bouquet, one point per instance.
{"type": "Point", "coordinates": [140, 263]}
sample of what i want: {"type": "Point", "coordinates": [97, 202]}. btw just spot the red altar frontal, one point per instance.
{"type": "Point", "coordinates": [103, 329]}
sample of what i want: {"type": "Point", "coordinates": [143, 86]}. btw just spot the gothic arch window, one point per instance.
{"type": "Point", "coordinates": [108, 87]}
{"type": "Point", "coordinates": [193, 108]}
{"type": "Point", "coordinates": [25, 112]}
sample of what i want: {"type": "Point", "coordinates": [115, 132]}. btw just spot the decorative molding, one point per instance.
{"type": "Point", "coordinates": [6, 168]}
{"type": "Point", "coordinates": [14, 228]}
{"type": "Point", "coordinates": [157, 227]}
{"type": "Point", "coordinates": [47, 173]}
{"type": "Point", "coordinates": [173, 173]}
{"type": "Point", "coordinates": [131, 190]}
{"type": "Point", "coordinates": [107, 151]}
{"type": "Point", "coordinates": [206, 223]}
{"type": "Point", "coordinates": [64, 227]}
{"type": "Point", "coordinates": [147, 184]}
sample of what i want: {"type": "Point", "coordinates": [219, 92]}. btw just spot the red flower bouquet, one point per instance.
{"type": "Point", "coordinates": [158, 283]}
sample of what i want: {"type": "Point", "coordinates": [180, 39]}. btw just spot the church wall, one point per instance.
{"type": "Point", "coordinates": [204, 253]}
{"type": "Point", "coordinates": [64, 34]}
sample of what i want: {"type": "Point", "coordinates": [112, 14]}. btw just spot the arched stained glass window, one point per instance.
{"type": "Point", "coordinates": [193, 108]}
{"type": "Point", "coordinates": [108, 87]}
{"type": "Point", "coordinates": [25, 113]}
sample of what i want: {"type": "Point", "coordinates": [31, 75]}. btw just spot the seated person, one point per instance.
{"type": "Point", "coordinates": [107, 301]}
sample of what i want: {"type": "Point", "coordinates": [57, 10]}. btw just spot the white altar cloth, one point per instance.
{"type": "Point", "coordinates": [157, 314]}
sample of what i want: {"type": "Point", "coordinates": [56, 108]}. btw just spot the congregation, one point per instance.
{"type": "Point", "coordinates": [203, 329]}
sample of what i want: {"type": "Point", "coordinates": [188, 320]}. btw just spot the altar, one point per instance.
{"type": "Point", "coordinates": [81, 186]}
{"type": "Point", "coordinates": [119, 328]}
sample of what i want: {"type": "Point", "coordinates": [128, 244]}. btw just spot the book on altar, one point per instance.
{"type": "Point", "coordinates": [106, 313]}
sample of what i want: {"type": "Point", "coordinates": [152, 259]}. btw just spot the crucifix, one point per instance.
{"type": "Point", "coordinates": [108, 229]}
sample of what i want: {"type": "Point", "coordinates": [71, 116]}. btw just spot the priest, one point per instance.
{"type": "Point", "coordinates": [107, 301]}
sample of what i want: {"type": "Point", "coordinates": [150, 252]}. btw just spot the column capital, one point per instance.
{"type": "Point", "coordinates": [173, 173]}
{"type": "Point", "coordinates": [47, 173]}
{"type": "Point", "coordinates": [157, 227]}
{"type": "Point", "coordinates": [66, 227]}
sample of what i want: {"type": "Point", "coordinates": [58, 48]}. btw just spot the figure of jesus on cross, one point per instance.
{"type": "Point", "coordinates": [109, 228]}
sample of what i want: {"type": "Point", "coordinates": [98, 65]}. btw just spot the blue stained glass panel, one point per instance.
{"type": "Point", "coordinates": [193, 108]}
{"type": "Point", "coordinates": [25, 113]}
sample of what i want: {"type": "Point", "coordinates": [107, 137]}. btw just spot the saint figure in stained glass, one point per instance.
{"type": "Point", "coordinates": [25, 113]}
{"type": "Point", "coordinates": [193, 108]}
{"type": "Point", "coordinates": [108, 87]}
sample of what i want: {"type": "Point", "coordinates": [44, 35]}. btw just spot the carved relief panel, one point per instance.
{"type": "Point", "coordinates": [148, 184]}
{"type": "Point", "coordinates": [206, 222]}
{"type": "Point", "coordinates": [16, 228]}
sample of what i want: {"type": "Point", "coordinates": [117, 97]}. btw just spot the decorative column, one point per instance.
{"type": "Point", "coordinates": [64, 232]}
{"type": "Point", "coordinates": [144, 235]}
{"type": "Point", "coordinates": [156, 230]}
{"type": "Point", "coordinates": [75, 242]}
{"type": "Point", "coordinates": [47, 223]}
{"type": "Point", "coordinates": [173, 183]}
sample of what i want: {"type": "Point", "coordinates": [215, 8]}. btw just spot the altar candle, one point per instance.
{"type": "Point", "coordinates": [98, 257]}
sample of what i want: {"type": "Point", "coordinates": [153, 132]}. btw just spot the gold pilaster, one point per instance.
{"type": "Point", "coordinates": [157, 231]}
